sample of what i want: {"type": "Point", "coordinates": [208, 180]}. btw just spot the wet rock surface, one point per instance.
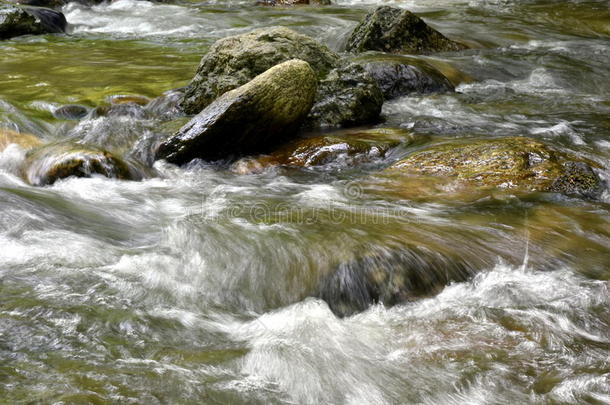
{"type": "Point", "coordinates": [252, 118]}
{"type": "Point", "coordinates": [400, 76]}
{"type": "Point", "coordinates": [344, 148]}
{"type": "Point", "coordinates": [48, 163]}
{"type": "Point", "coordinates": [17, 21]}
{"type": "Point", "coordinates": [395, 30]}
{"type": "Point", "coordinates": [390, 277]}
{"type": "Point", "coordinates": [510, 163]}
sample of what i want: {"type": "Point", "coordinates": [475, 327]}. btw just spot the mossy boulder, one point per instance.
{"type": "Point", "coordinates": [234, 61]}
{"type": "Point", "coordinates": [25, 141]}
{"type": "Point", "coordinates": [395, 30]}
{"type": "Point", "coordinates": [391, 276]}
{"type": "Point", "coordinates": [47, 164]}
{"type": "Point", "coordinates": [16, 21]}
{"type": "Point", "coordinates": [346, 96]}
{"type": "Point", "coordinates": [253, 118]}
{"type": "Point", "coordinates": [342, 148]}
{"type": "Point", "coordinates": [400, 76]}
{"type": "Point", "coordinates": [518, 163]}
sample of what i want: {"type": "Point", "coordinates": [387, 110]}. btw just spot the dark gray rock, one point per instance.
{"type": "Point", "coordinates": [71, 112]}
{"type": "Point", "coordinates": [347, 96]}
{"type": "Point", "coordinates": [390, 277]}
{"type": "Point", "coordinates": [399, 76]}
{"type": "Point", "coordinates": [395, 30]}
{"type": "Point", "coordinates": [16, 21]}
{"type": "Point", "coordinates": [252, 118]}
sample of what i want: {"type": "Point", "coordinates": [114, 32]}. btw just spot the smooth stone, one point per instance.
{"type": "Point", "coordinates": [48, 163]}
{"type": "Point", "coordinates": [71, 112]}
{"type": "Point", "coordinates": [343, 148]}
{"type": "Point", "coordinates": [391, 277]}
{"type": "Point", "coordinates": [517, 163]}
{"type": "Point", "coordinates": [253, 118]}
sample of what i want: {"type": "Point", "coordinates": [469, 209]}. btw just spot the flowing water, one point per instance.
{"type": "Point", "coordinates": [198, 285]}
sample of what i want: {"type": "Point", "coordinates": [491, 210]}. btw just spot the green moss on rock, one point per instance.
{"type": "Point", "coordinates": [395, 30]}
{"type": "Point", "coordinates": [512, 163]}
{"type": "Point", "coordinates": [250, 119]}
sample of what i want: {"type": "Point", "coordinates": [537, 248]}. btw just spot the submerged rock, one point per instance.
{"type": "Point", "coordinates": [512, 163]}
{"type": "Point", "coordinates": [347, 96]}
{"type": "Point", "coordinates": [71, 112]}
{"type": "Point", "coordinates": [47, 164]}
{"type": "Point", "coordinates": [343, 148]}
{"type": "Point", "coordinates": [167, 106]}
{"type": "Point", "coordinates": [272, 3]}
{"type": "Point", "coordinates": [400, 76]}
{"type": "Point", "coordinates": [17, 21]}
{"type": "Point", "coordinates": [234, 61]}
{"type": "Point", "coordinates": [252, 118]}
{"type": "Point", "coordinates": [395, 30]}
{"type": "Point", "coordinates": [390, 277]}
{"type": "Point", "coordinates": [25, 141]}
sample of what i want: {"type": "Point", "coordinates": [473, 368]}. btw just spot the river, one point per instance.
{"type": "Point", "coordinates": [198, 285]}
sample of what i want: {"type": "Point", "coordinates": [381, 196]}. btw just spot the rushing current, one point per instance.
{"type": "Point", "coordinates": [199, 285]}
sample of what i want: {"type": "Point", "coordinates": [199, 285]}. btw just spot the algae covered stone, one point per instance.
{"type": "Point", "coordinates": [234, 61]}
{"type": "Point", "coordinates": [25, 141]}
{"type": "Point", "coordinates": [341, 148]}
{"type": "Point", "coordinates": [512, 163]}
{"type": "Point", "coordinates": [394, 30]}
{"type": "Point", "coordinates": [250, 119]}
{"type": "Point", "coordinates": [47, 164]}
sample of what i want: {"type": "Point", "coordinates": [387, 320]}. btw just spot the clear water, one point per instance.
{"type": "Point", "coordinates": [195, 286]}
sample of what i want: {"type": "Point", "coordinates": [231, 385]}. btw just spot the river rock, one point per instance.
{"type": "Point", "coordinates": [510, 163]}
{"type": "Point", "coordinates": [166, 106]}
{"type": "Point", "coordinates": [47, 164]}
{"type": "Point", "coordinates": [25, 141]}
{"type": "Point", "coordinates": [395, 30]}
{"type": "Point", "coordinates": [252, 118]}
{"type": "Point", "coordinates": [16, 21]}
{"type": "Point", "coordinates": [288, 3]}
{"type": "Point", "coordinates": [341, 148]}
{"type": "Point", "coordinates": [234, 61]}
{"type": "Point", "coordinates": [347, 96]}
{"type": "Point", "coordinates": [400, 76]}
{"type": "Point", "coordinates": [71, 112]}
{"type": "Point", "coordinates": [391, 277]}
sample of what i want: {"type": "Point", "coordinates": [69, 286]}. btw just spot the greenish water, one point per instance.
{"type": "Point", "coordinates": [195, 286]}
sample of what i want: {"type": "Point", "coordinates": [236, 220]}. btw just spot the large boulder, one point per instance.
{"type": "Point", "coordinates": [234, 61]}
{"type": "Point", "coordinates": [25, 141]}
{"type": "Point", "coordinates": [400, 76]}
{"type": "Point", "coordinates": [347, 95]}
{"type": "Point", "coordinates": [341, 148]}
{"type": "Point", "coordinates": [510, 163]}
{"type": "Point", "coordinates": [17, 21]}
{"type": "Point", "coordinates": [395, 30]}
{"type": "Point", "coordinates": [250, 119]}
{"type": "Point", "coordinates": [48, 163]}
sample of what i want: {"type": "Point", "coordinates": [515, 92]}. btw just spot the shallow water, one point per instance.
{"type": "Point", "coordinates": [196, 286]}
